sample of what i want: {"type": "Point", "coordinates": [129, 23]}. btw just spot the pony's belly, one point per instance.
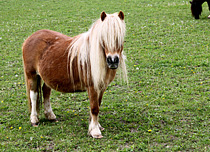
{"type": "Point", "coordinates": [65, 86]}
{"type": "Point", "coordinates": [69, 89]}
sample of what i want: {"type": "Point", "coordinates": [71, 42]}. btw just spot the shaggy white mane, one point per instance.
{"type": "Point", "coordinates": [88, 49]}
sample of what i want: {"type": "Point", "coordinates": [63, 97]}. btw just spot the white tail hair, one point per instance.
{"type": "Point", "coordinates": [88, 48]}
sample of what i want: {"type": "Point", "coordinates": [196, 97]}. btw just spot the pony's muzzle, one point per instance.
{"type": "Point", "coordinates": [113, 61]}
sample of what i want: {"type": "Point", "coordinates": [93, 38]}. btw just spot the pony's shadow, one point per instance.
{"type": "Point", "coordinates": [81, 121]}
{"type": "Point", "coordinates": [44, 120]}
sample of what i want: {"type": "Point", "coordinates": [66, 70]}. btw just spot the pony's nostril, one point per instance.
{"type": "Point", "coordinates": [116, 59]}
{"type": "Point", "coordinates": [109, 59]}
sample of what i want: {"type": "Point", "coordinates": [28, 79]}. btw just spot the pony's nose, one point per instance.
{"type": "Point", "coordinates": [112, 62]}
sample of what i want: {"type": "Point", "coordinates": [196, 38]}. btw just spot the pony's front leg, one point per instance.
{"type": "Point", "coordinates": [47, 106]}
{"type": "Point", "coordinates": [94, 126]}
{"type": "Point", "coordinates": [100, 100]}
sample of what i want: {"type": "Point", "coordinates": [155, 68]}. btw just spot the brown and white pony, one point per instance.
{"type": "Point", "coordinates": [87, 62]}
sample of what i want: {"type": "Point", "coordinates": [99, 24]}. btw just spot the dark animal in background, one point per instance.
{"type": "Point", "coordinates": [196, 7]}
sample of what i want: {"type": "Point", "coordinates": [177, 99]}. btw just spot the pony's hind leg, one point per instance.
{"type": "Point", "coordinates": [33, 85]}
{"type": "Point", "coordinates": [47, 106]}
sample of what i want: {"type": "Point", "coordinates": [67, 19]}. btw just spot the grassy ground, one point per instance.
{"type": "Point", "coordinates": [167, 104]}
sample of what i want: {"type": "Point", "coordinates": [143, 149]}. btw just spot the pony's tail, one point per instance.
{"type": "Point", "coordinates": [27, 89]}
{"type": "Point", "coordinates": [39, 90]}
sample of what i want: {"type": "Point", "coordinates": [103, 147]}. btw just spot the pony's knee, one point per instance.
{"type": "Point", "coordinates": [95, 111]}
{"type": "Point", "coordinates": [34, 82]}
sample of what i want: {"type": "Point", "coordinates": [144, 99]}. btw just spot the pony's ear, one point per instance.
{"type": "Point", "coordinates": [121, 15]}
{"type": "Point", "coordinates": [103, 16]}
{"type": "Point", "coordinates": [190, 2]}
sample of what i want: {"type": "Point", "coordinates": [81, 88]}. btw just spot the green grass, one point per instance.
{"type": "Point", "coordinates": [168, 55]}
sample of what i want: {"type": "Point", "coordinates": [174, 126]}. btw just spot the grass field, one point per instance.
{"type": "Point", "coordinates": [166, 106]}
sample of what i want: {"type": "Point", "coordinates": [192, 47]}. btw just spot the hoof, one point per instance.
{"type": "Point", "coordinates": [50, 116]}
{"type": "Point", "coordinates": [53, 120]}
{"type": "Point", "coordinates": [95, 133]}
{"type": "Point", "coordinates": [34, 120]}
{"type": "Point", "coordinates": [35, 124]}
{"type": "Point", "coordinates": [97, 136]}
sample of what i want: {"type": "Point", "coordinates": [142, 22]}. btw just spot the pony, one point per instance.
{"type": "Point", "coordinates": [86, 62]}
{"type": "Point", "coordinates": [196, 7]}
